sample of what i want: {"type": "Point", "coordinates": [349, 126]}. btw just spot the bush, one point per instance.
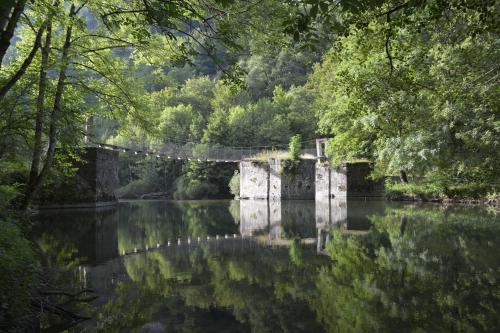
{"type": "Point", "coordinates": [135, 189]}
{"type": "Point", "coordinates": [18, 268]}
{"type": "Point", "coordinates": [437, 189]}
{"type": "Point", "coordinates": [294, 147]}
{"type": "Point", "coordinates": [290, 166]}
{"type": "Point", "coordinates": [194, 189]}
{"type": "Point", "coordinates": [234, 184]}
{"type": "Point", "coordinates": [7, 194]}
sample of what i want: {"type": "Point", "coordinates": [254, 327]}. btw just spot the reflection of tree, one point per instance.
{"type": "Point", "coordinates": [248, 288]}
{"type": "Point", "coordinates": [297, 219]}
{"type": "Point", "coordinates": [415, 270]}
{"type": "Point", "coordinates": [157, 222]}
{"type": "Point", "coordinates": [296, 252]}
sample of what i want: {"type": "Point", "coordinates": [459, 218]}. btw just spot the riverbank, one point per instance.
{"type": "Point", "coordinates": [465, 194]}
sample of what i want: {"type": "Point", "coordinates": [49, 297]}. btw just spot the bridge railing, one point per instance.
{"type": "Point", "coordinates": [204, 152]}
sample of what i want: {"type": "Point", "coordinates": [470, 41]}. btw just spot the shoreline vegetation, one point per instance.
{"type": "Point", "coordinates": [422, 191]}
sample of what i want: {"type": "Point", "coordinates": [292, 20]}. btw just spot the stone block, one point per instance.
{"type": "Point", "coordinates": [254, 180]}
{"type": "Point", "coordinates": [93, 184]}
{"type": "Point", "coordinates": [268, 180]}
{"type": "Point", "coordinates": [292, 185]}
{"type": "Point", "coordinates": [348, 180]}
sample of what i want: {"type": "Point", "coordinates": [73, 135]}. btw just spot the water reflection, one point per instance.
{"type": "Point", "coordinates": [277, 219]}
{"type": "Point", "coordinates": [384, 267]}
{"type": "Point", "coordinates": [75, 236]}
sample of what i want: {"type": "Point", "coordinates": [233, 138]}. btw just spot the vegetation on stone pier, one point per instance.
{"type": "Point", "coordinates": [291, 164]}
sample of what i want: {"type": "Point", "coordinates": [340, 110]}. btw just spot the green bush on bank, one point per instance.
{"type": "Point", "coordinates": [135, 189]}
{"type": "Point", "coordinates": [428, 190]}
{"type": "Point", "coordinates": [18, 268]}
{"type": "Point", "coordinates": [194, 189]}
{"type": "Point", "coordinates": [234, 184]}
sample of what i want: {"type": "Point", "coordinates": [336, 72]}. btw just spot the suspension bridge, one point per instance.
{"type": "Point", "coordinates": [206, 153]}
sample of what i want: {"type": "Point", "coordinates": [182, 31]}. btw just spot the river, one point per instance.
{"type": "Point", "coordinates": [290, 266]}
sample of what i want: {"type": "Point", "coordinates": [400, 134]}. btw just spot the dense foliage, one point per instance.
{"type": "Point", "coordinates": [18, 268]}
{"type": "Point", "coordinates": [421, 269]}
{"type": "Point", "coordinates": [416, 91]}
{"type": "Point", "coordinates": [411, 86]}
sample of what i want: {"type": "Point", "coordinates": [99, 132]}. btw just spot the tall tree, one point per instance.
{"type": "Point", "coordinates": [10, 12]}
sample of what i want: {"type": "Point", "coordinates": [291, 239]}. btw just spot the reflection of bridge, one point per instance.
{"type": "Point", "coordinates": [202, 152]}
{"type": "Point", "coordinates": [103, 277]}
{"type": "Point", "coordinates": [285, 220]}
{"type": "Point", "coordinates": [98, 234]}
{"type": "Point", "coordinates": [263, 224]}
{"type": "Point", "coordinates": [187, 243]}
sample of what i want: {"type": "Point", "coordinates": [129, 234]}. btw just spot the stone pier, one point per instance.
{"type": "Point", "coordinates": [347, 180]}
{"type": "Point", "coordinates": [269, 180]}
{"type": "Point", "coordinates": [92, 185]}
{"type": "Point", "coordinates": [312, 179]}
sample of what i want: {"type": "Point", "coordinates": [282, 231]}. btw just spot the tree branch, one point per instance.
{"type": "Point", "coordinates": [20, 72]}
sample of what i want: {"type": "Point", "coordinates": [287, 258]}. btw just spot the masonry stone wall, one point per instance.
{"type": "Point", "coordinates": [358, 183]}
{"type": "Point", "coordinates": [92, 185]}
{"type": "Point", "coordinates": [254, 180]}
{"type": "Point", "coordinates": [268, 180]}
{"type": "Point", "coordinates": [322, 180]}
{"type": "Point", "coordinates": [292, 185]}
{"type": "Point", "coordinates": [348, 180]}
{"type": "Point", "coordinates": [299, 184]}
{"type": "Point", "coordinates": [311, 179]}
{"type": "Point", "coordinates": [338, 181]}
{"type": "Point", "coordinates": [275, 184]}
{"type": "Point", "coordinates": [106, 174]}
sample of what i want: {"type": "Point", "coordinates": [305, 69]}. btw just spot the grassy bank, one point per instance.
{"type": "Point", "coordinates": [432, 191]}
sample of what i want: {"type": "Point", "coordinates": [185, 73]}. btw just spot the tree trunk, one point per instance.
{"type": "Point", "coordinates": [5, 9]}
{"type": "Point", "coordinates": [40, 110]}
{"type": "Point", "coordinates": [403, 177]}
{"type": "Point", "coordinates": [10, 26]}
{"type": "Point", "coordinates": [54, 116]}
{"type": "Point", "coordinates": [20, 72]}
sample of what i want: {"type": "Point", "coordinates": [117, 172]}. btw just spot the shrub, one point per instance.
{"type": "Point", "coordinates": [194, 189]}
{"type": "Point", "coordinates": [294, 147]}
{"type": "Point", "coordinates": [234, 184]}
{"type": "Point", "coordinates": [290, 166]}
{"type": "Point", "coordinates": [135, 189]}
{"type": "Point", "coordinates": [431, 189]}
{"type": "Point", "coordinates": [18, 268]}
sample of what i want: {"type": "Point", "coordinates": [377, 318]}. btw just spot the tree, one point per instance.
{"type": "Point", "coordinates": [92, 46]}
{"type": "Point", "coordinates": [403, 102]}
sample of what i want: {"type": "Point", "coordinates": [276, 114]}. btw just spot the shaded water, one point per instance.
{"type": "Point", "coordinates": [254, 266]}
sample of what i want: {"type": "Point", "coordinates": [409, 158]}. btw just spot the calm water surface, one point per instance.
{"type": "Point", "coordinates": [294, 266]}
